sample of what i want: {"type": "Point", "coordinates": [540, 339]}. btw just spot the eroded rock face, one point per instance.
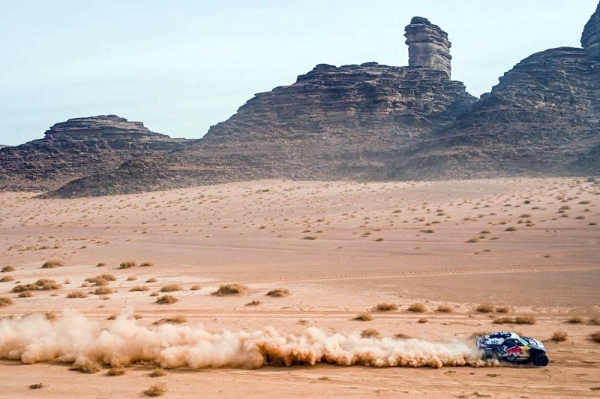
{"type": "Point", "coordinates": [77, 148]}
{"type": "Point", "coordinates": [590, 39]}
{"type": "Point", "coordinates": [428, 46]}
{"type": "Point", "coordinates": [543, 118]}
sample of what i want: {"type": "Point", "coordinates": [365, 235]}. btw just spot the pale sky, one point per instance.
{"type": "Point", "coordinates": [181, 66]}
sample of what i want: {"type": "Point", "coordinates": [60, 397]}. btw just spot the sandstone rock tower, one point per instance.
{"type": "Point", "coordinates": [590, 39]}
{"type": "Point", "coordinates": [428, 46]}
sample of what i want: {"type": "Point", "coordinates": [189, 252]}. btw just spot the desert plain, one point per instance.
{"type": "Point", "coordinates": [444, 261]}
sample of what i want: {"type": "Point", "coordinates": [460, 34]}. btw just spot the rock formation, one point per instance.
{"type": "Point", "coordinates": [590, 39]}
{"type": "Point", "coordinates": [77, 148]}
{"type": "Point", "coordinates": [428, 46]}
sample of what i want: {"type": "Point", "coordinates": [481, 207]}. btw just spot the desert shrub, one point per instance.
{"type": "Point", "coordinates": [116, 371]}
{"type": "Point", "coordinates": [131, 278]}
{"type": "Point", "coordinates": [502, 309]}
{"type": "Point", "coordinates": [559, 336]}
{"type": "Point", "coordinates": [485, 308]}
{"type": "Point", "coordinates": [473, 240]}
{"type": "Point", "coordinates": [195, 287]}
{"type": "Point", "coordinates": [402, 336]}
{"type": "Point", "coordinates": [127, 264]}
{"type": "Point", "coordinates": [87, 367]}
{"type": "Point", "coordinates": [166, 300]}
{"type": "Point", "coordinates": [369, 333]}
{"type": "Point", "coordinates": [5, 301]}
{"type": "Point", "coordinates": [310, 238]}
{"type": "Point", "coordinates": [278, 292]}
{"type": "Point", "coordinates": [254, 303]}
{"type": "Point", "coordinates": [504, 320]}
{"type": "Point", "coordinates": [37, 386]}
{"type": "Point", "coordinates": [575, 320]}
{"type": "Point", "coordinates": [103, 290]}
{"type": "Point", "coordinates": [428, 231]}
{"type": "Point", "coordinates": [525, 320]}
{"type": "Point", "coordinates": [511, 229]}
{"type": "Point", "coordinates": [156, 390]}
{"type": "Point", "coordinates": [363, 317]}
{"type": "Point", "coordinates": [147, 264]}
{"type": "Point", "coordinates": [385, 307]}
{"type": "Point", "coordinates": [41, 284]}
{"type": "Point", "coordinates": [422, 321]}
{"type": "Point", "coordinates": [152, 280]}
{"type": "Point", "coordinates": [51, 264]}
{"type": "Point", "coordinates": [50, 316]}
{"type": "Point", "coordinates": [100, 264]}
{"type": "Point", "coordinates": [102, 279]}
{"type": "Point", "coordinates": [595, 337]}
{"type": "Point", "coordinates": [138, 288]}
{"type": "Point", "coordinates": [157, 373]}
{"type": "Point", "coordinates": [444, 309]}
{"type": "Point", "coordinates": [485, 232]}
{"type": "Point", "coordinates": [25, 294]}
{"type": "Point", "coordinates": [172, 320]}
{"type": "Point", "coordinates": [417, 308]}
{"type": "Point", "coordinates": [77, 294]}
{"type": "Point", "coordinates": [7, 269]}
{"type": "Point", "coordinates": [7, 279]}
{"type": "Point", "coordinates": [594, 322]}
{"type": "Point", "coordinates": [171, 288]}
{"type": "Point", "coordinates": [230, 289]}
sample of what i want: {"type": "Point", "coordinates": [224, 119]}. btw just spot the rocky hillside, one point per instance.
{"type": "Point", "coordinates": [77, 148]}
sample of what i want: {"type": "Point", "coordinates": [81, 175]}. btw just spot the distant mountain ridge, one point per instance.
{"type": "Point", "coordinates": [354, 122]}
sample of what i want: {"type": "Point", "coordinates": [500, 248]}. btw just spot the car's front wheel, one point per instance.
{"type": "Point", "coordinates": [540, 360]}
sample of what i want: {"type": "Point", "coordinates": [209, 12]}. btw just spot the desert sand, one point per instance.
{"type": "Point", "coordinates": [524, 247]}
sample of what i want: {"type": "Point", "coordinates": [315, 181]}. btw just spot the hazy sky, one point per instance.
{"type": "Point", "coordinates": [181, 66]}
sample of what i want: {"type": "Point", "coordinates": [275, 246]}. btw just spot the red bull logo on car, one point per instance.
{"type": "Point", "coordinates": [517, 351]}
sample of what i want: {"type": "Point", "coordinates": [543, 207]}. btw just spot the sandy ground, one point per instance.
{"type": "Point", "coordinates": [531, 245]}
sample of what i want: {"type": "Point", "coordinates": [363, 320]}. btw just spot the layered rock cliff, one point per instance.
{"type": "Point", "coordinates": [77, 148]}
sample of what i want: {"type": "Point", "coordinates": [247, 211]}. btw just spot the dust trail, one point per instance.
{"type": "Point", "coordinates": [79, 340]}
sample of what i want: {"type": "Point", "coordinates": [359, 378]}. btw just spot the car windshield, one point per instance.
{"type": "Point", "coordinates": [524, 342]}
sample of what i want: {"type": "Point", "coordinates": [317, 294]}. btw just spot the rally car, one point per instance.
{"type": "Point", "coordinates": [511, 347]}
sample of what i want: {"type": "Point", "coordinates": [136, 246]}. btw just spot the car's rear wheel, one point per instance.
{"type": "Point", "coordinates": [540, 360]}
{"type": "Point", "coordinates": [489, 356]}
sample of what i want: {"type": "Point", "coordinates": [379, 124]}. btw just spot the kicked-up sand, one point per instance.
{"type": "Point", "coordinates": [461, 255]}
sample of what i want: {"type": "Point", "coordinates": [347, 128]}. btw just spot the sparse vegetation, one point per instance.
{"type": "Point", "coordinates": [132, 278]}
{"type": "Point", "coordinates": [103, 290]}
{"type": "Point", "coordinates": [51, 264]}
{"type": "Point", "coordinates": [195, 287]}
{"type": "Point", "coordinates": [369, 333]}
{"type": "Point", "coordinates": [116, 371]}
{"type": "Point", "coordinates": [363, 317]}
{"type": "Point", "coordinates": [25, 294]}
{"type": "Point", "coordinates": [279, 292]}
{"type": "Point", "coordinates": [152, 280]}
{"type": "Point", "coordinates": [171, 320]}
{"type": "Point", "coordinates": [156, 390]}
{"type": "Point", "coordinates": [7, 269]}
{"type": "Point", "coordinates": [502, 309]}
{"type": "Point", "coordinates": [127, 264]}
{"type": "Point", "coordinates": [100, 264]}
{"type": "Point", "coordinates": [385, 307]}
{"type": "Point", "coordinates": [595, 337]}
{"type": "Point", "coordinates": [575, 320]}
{"type": "Point", "coordinates": [157, 373]}
{"type": "Point", "coordinates": [77, 294]}
{"type": "Point", "coordinates": [5, 301]}
{"type": "Point", "coordinates": [254, 303]}
{"type": "Point", "coordinates": [7, 279]}
{"type": "Point", "coordinates": [147, 264]}
{"type": "Point", "coordinates": [422, 321]}
{"type": "Point", "coordinates": [166, 300]}
{"type": "Point", "coordinates": [516, 320]}
{"type": "Point", "coordinates": [138, 288]}
{"type": "Point", "coordinates": [417, 308]}
{"type": "Point", "coordinates": [42, 284]}
{"type": "Point", "coordinates": [511, 229]}
{"type": "Point", "coordinates": [559, 336]}
{"type": "Point", "coordinates": [444, 309]}
{"type": "Point", "coordinates": [230, 289]}
{"type": "Point", "coordinates": [87, 367]}
{"type": "Point", "coordinates": [171, 288]}
{"type": "Point", "coordinates": [485, 308]}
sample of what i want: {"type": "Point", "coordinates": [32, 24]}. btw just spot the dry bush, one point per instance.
{"type": "Point", "coordinates": [25, 294]}
{"type": "Point", "coordinates": [156, 390]}
{"type": "Point", "coordinates": [310, 238]}
{"type": "Point", "coordinates": [7, 279]}
{"type": "Point", "coordinates": [369, 333]}
{"type": "Point", "coordinates": [41, 284]}
{"type": "Point", "coordinates": [166, 300]}
{"type": "Point", "coordinates": [485, 308]}
{"type": "Point", "coordinates": [254, 303]}
{"type": "Point", "coordinates": [152, 280]}
{"type": "Point", "coordinates": [559, 336]}
{"type": "Point", "coordinates": [595, 337]}
{"type": "Point", "coordinates": [444, 309]}
{"type": "Point", "coordinates": [36, 386]}
{"type": "Point", "coordinates": [157, 373]}
{"type": "Point", "coordinates": [504, 320]}
{"type": "Point", "coordinates": [473, 240]}
{"type": "Point", "coordinates": [230, 289]}
{"type": "Point", "coordinates": [422, 321]}
{"type": "Point", "coordinates": [417, 308]}
{"type": "Point", "coordinates": [51, 264]}
{"type": "Point", "coordinates": [112, 317]}
{"type": "Point", "coordinates": [101, 264]}
{"type": "Point", "coordinates": [502, 309]}
{"type": "Point", "coordinates": [385, 307]}
{"type": "Point", "coordinates": [279, 292]}
{"type": "Point", "coordinates": [171, 288]}
{"type": "Point", "coordinates": [103, 290]}
{"type": "Point", "coordinates": [147, 264]}
{"type": "Point", "coordinates": [511, 229]}
{"type": "Point", "coordinates": [139, 288]}
{"type": "Point", "coordinates": [575, 320]}
{"type": "Point", "coordinates": [5, 301]}
{"type": "Point", "coordinates": [77, 294]}
{"type": "Point", "coordinates": [87, 367]}
{"type": "Point", "coordinates": [116, 371]}
{"type": "Point", "coordinates": [594, 322]}
{"type": "Point", "coordinates": [363, 317]}
{"type": "Point", "coordinates": [195, 287]}
{"type": "Point", "coordinates": [7, 269]}
{"type": "Point", "coordinates": [171, 320]}
{"type": "Point", "coordinates": [402, 336]}
{"type": "Point", "coordinates": [131, 278]}
{"type": "Point", "coordinates": [127, 264]}
{"type": "Point", "coordinates": [101, 279]}
{"type": "Point", "coordinates": [50, 316]}
{"type": "Point", "coordinates": [525, 320]}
